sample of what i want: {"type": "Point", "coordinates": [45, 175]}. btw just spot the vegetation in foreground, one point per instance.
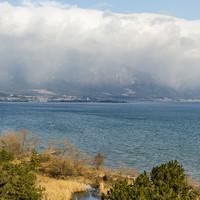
{"type": "Point", "coordinates": [16, 179]}
{"type": "Point", "coordinates": [24, 174]}
{"type": "Point", "coordinates": [59, 161]}
{"type": "Point", "coordinates": [167, 182]}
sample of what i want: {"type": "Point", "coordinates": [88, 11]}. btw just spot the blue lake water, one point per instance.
{"type": "Point", "coordinates": [140, 134]}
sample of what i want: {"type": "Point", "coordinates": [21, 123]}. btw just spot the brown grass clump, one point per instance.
{"type": "Point", "coordinates": [18, 143]}
{"type": "Point", "coordinates": [103, 188]}
{"type": "Point", "coordinates": [59, 189]}
{"type": "Point", "coordinates": [191, 183]}
{"type": "Point", "coordinates": [128, 172]}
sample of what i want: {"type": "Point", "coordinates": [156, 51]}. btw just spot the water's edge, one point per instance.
{"type": "Point", "coordinates": [89, 194]}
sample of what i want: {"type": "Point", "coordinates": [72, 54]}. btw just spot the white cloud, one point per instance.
{"type": "Point", "coordinates": [47, 42]}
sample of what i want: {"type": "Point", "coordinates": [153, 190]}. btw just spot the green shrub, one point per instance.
{"type": "Point", "coordinates": [121, 190]}
{"type": "Point", "coordinates": [17, 182]}
{"type": "Point", "coordinates": [35, 161]}
{"type": "Point", "coordinates": [5, 156]}
{"type": "Point", "coordinates": [167, 183]}
{"type": "Point", "coordinates": [169, 180]}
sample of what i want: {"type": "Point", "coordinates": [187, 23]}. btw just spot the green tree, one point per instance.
{"type": "Point", "coordinates": [35, 161]}
{"type": "Point", "coordinates": [17, 182]}
{"type": "Point", "coordinates": [167, 182]}
{"type": "Point", "coordinates": [169, 179]}
{"type": "Point", "coordinates": [5, 156]}
{"type": "Point", "coordinates": [121, 190]}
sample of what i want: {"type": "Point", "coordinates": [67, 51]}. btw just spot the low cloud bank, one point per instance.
{"type": "Point", "coordinates": [46, 42]}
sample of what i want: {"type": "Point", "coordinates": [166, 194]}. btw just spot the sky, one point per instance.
{"type": "Point", "coordinates": [187, 9]}
{"type": "Point", "coordinates": [93, 43]}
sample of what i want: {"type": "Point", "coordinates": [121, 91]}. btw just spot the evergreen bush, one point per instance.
{"type": "Point", "coordinates": [17, 182]}
{"type": "Point", "coordinates": [167, 182]}
{"type": "Point", "coordinates": [5, 156]}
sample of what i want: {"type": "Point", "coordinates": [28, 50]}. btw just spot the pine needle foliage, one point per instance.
{"type": "Point", "coordinates": [35, 161]}
{"type": "Point", "coordinates": [17, 182]}
{"type": "Point", "coordinates": [5, 156]}
{"type": "Point", "coordinates": [167, 182]}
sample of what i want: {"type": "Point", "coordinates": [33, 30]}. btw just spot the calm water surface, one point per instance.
{"type": "Point", "coordinates": [140, 134]}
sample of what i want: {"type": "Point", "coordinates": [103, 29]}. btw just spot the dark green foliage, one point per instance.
{"type": "Point", "coordinates": [143, 180]}
{"type": "Point", "coordinates": [169, 180]}
{"type": "Point", "coordinates": [167, 183]}
{"type": "Point", "coordinates": [5, 156]}
{"type": "Point", "coordinates": [17, 182]}
{"type": "Point", "coordinates": [142, 188]}
{"type": "Point", "coordinates": [35, 160]}
{"type": "Point", "coordinates": [121, 190]}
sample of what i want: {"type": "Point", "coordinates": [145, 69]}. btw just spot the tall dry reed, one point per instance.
{"type": "Point", "coordinates": [59, 189]}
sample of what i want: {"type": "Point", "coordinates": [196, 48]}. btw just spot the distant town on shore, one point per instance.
{"type": "Point", "coordinates": [48, 96]}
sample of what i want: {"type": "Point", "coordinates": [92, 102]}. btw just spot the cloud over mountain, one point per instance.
{"type": "Point", "coordinates": [46, 42]}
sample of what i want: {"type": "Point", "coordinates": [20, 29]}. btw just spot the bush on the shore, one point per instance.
{"type": "Point", "coordinates": [99, 160]}
{"type": "Point", "coordinates": [35, 161]}
{"type": "Point", "coordinates": [167, 182]}
{"type": "Point", "coordinates": [5, 156]}
{"type": "Point", "coordinates": [18, 143]}
{"type": "Point", "coordinates": [16, 180]}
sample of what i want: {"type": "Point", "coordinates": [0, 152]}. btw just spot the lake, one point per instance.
{"type": "Point", "coordinates": [140, 134]}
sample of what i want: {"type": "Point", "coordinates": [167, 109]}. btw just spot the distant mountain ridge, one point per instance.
{"type": "Point", "coordinates": [140, 90]}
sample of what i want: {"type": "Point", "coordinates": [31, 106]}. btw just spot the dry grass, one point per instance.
{"type": "Point", "coordinates": [103, 188]}
{"type": "Point", "coordinates": [59, 189]}
{"type": "Point", "coordinates": [191, 183]}
{"type": "Point", "coordinates": [18, 143]}
{"type": "Point", "coordinates": [63, 162]}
